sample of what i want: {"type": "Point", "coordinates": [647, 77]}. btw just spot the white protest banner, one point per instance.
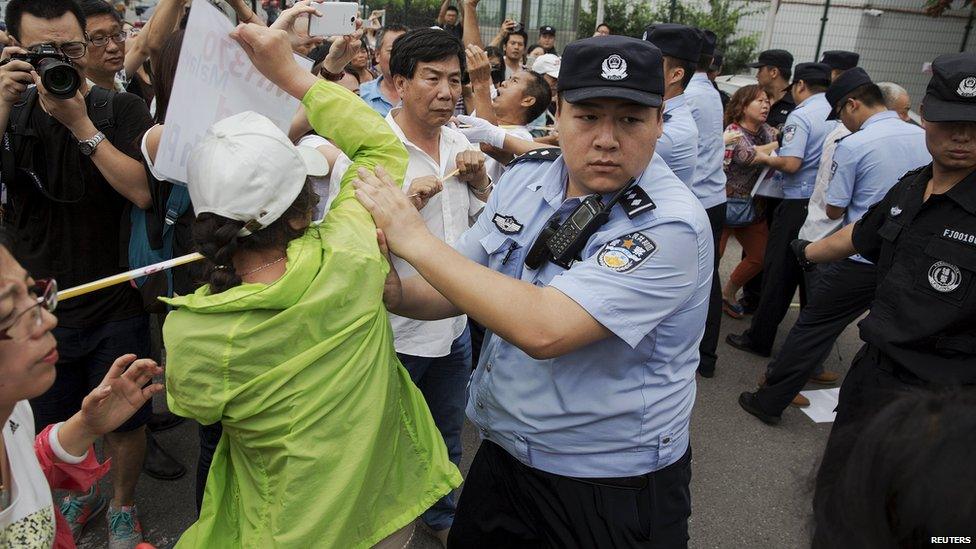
{"type": "Point", "coordinates": [214, 80]}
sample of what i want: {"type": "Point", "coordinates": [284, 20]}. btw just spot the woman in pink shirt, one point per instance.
{"type": "Point", "coordinates": [745, 114]}
{"type": "Point", "coordinates": [61, 456]}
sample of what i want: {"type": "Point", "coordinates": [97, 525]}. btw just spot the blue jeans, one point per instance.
{"type": "Point", "coordinates": [444, 383]}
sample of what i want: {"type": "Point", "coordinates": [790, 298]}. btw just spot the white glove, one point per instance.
{"type": "Point", "coordinates": [480, 130]}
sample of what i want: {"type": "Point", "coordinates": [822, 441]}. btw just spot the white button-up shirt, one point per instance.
{"type": "Point", "coordinates": [447, 215]}
{"type": "Point", "coordinates": [818, 225]}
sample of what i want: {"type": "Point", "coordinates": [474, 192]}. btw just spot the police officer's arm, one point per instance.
{"type": "Point", "coordinates": [833, 248]}
{"type": "Point", "coordinates": [544, 322]}
{"type": "Point", "coordinates": [789, 157]}
{"type": "Point", "coordinates": [840, 185]}
{"type": "Point", "coordinates": [857, 238]}
{"type": "Point", "coordinates": [785, 164]}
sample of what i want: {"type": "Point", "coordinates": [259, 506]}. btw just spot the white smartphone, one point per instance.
{"type": "Point", "coordinates": [338, 19]}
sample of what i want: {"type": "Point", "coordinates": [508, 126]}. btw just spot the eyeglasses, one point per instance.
{"type": "Point", "coordinates": [71, 50]}
{"type": "Point", "coordinates": [118, 38]}
{"type": "Point", "coordinates": [45, 294]}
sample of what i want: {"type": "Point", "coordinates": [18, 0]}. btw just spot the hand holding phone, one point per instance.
{"type": "Point", "coordinates": [336, 19]}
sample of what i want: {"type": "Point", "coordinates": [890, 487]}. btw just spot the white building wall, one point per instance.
{"type": "Point", "coordinates": [893, 46]}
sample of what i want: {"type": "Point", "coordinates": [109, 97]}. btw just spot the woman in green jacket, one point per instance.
{"type": "Point", "coordinates": [326, 442]}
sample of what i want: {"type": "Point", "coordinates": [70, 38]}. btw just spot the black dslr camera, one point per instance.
{"type": "Point", "coordinates": [58, 75]}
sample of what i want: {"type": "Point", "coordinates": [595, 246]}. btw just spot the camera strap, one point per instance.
{"type": "Point", "coordinates": [13, 137]}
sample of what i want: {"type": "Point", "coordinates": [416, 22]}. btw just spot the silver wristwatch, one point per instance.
{"type": "Point", "coordinates": [88, 146]}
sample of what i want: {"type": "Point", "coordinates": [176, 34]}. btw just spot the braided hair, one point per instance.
{"type": "Point", "coordinates": [217, 238]}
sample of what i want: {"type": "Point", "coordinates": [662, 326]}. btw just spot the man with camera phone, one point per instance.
{"type": "Point", "coordinates": [69, 168]}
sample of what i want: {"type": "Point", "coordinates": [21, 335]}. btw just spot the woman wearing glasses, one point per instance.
{"type": "Point", "coordinates": [61, 456]}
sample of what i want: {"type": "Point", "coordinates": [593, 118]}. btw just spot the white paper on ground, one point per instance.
{"type": "Point", "coordinates": [214, 80]}
{"type": "Point", "coordinates": [822, 404]}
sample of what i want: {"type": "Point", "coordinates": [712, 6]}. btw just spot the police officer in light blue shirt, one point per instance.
{"type": "Point", "coordinates": [866, 164]}
{"type": "Point", "coordinates": [678, 146]}
{"type": "Point", "coordinates": [709, 181]}
{"type": "Point", "coordinates": [798, 158]}
{"type": "Point", "coordinates": [871, 160]}
{"type": "Point", "coordinates": [591, 271]}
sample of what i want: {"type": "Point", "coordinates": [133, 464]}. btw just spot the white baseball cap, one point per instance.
{"type": "Point", "coordinates": [547, 63]}
{"type": "Point", "coordinates": [247, 169]}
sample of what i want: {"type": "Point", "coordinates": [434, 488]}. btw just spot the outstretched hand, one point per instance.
{"type": "Point", "coordinates": [120, 394]}
{"type": "Point", "coordinates": [344, 49]}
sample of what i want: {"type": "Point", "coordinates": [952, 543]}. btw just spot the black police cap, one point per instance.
{"type": "Point", "coordinates": [674, 40]}
{"type": "Point", "coordinates": [840, 60]}
{"type": "Point", "coordinates": [708, 41]}
{"type": "Point", "coordinates": [812, 73]}
{"type": "Point", "coordinates": [951, 94]}
{"type": "Point", "coordinates": [612, 67]}
{"type": "Point", "coordinates": [546, 29]}
{"type": "Point", "coordinates": [781, 59]}
{"type": "Point", "coordinates": [843, 86]}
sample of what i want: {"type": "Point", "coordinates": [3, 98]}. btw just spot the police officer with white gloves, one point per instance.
{"type": "Point", "coordinates": [591, 269]}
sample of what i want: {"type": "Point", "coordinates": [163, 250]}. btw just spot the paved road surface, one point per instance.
{"type": "Point", "coordinates": [750, 482]}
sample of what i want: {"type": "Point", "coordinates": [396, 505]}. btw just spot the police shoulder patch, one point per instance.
{"type": "Point", "coordinates": [547, 154]}
{"type": "Point", "coordinates": [627, 252]}
{"type": "Point", "coordinates": [788, 133]}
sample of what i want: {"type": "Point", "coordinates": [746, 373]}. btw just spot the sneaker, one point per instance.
{"type": "Point", "coordinates": [124, 529]}
{"type": "Point", "coordinates": [79, 510]}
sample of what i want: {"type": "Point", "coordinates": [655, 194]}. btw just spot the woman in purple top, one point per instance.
{"type": "Point", "coordinates": [745, 114]}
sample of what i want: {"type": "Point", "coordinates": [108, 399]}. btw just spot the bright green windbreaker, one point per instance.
{"type": "Point", "coordinates": [326, 442]}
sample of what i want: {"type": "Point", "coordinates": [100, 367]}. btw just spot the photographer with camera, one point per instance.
{"type": "Point", "coordinates": [69, 165]}
{"type": "Point", "coordinates": [512, 39]}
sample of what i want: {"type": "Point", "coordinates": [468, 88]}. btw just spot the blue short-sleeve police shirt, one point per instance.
{"type": "Point", "coordinates": [678, 145]}
{"type": "Point", "coordinates": [620, 406]}
{"type": "Point", "coordinates": [803, 137]}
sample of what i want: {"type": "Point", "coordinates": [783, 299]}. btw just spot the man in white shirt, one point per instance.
{"type": "Point", "coordinates": [426, 68]}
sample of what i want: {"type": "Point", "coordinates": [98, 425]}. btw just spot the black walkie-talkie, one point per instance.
{"type": "Point", "coordinates": [562, 243]}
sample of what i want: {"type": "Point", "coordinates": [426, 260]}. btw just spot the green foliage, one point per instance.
{"type": "Point", "coordinates": [630, 17]}
{"type": "Point", "coordinates": [624, 17]}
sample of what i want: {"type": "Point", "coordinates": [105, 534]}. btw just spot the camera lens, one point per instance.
{"type": "Point", "coordinates": [59, 78]}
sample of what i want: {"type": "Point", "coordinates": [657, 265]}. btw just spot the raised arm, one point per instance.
{"type": "Point", "coordinates": [150, 41]}
{"type": "Point", "coordinates": [333, 111]}
{"type": "Point", "coordinates": [470, 26]}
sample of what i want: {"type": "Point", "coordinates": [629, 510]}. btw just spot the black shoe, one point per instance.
{"type": "Point", "coordinates": [750, 403]}
{"type": "Point", "coordinates": [159, 464]}
{"type": "Point", "coordinates": [161, 422]}
{"type": "Point", "coordinates": [710, 373]}
{"type": "Point", "coordinates": [743, 343]}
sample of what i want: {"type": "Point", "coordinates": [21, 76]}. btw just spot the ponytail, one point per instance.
{"type": "Point", "coordinates": [217, 239]}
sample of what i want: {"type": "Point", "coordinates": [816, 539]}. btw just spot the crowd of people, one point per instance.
{"type": "Point", "coordinates": [524, 234]}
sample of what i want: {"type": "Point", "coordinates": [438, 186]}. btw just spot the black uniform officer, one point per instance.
{"type": "Point", "coordinates": [920, 332]}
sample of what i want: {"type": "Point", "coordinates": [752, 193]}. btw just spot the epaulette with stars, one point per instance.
{"type": "Point", "coordinates": [547, 154]}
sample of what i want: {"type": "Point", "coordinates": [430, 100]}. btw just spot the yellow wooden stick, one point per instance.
{"type": "Point", "coordinates": [127, 276]}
